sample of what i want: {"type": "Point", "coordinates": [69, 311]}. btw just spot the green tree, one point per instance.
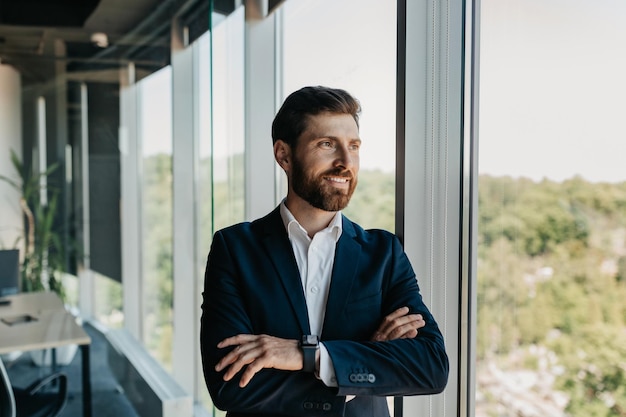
{"type": "Point", "coordinates": [594, 363]}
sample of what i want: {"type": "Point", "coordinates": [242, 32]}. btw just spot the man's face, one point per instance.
{"type": "Point", "coordinates": [325, 163]}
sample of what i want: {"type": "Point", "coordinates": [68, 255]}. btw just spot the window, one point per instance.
{"type": "Point", "coordinates": [363, 62]}
{"type": "Point", "coordinates": [552, 221]}
{"type": "Point", "coordinates": [228, 120]}
{"type": "Point", "coordinates": [221, 140]}
{"type": "Point", "coordinates": [155, 121]}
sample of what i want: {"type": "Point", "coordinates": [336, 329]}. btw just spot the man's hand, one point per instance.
{"type": "Point", "coordinates": [399, 325]}
{"type": "Point", "coordinates": [258, 352]}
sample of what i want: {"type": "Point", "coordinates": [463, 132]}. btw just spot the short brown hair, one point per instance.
{"type": "Point", "coordinates": [291, 119]}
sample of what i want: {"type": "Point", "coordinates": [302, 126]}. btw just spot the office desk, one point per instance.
{"type": "Point", "coordinates": [49, 327]}
{"type": "Point", "coordinates": [25, 303]}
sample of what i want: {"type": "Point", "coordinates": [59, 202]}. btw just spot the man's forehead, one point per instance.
{"type": "Point", "coordinates": [332, 125]}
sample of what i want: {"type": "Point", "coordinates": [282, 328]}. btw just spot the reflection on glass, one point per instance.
{"type": "Point", "coordinates": [363, 62]}
{"type": "Point", "coordinates": [156, 141]}
{"type": "Point", "coordinates": [552, 211]}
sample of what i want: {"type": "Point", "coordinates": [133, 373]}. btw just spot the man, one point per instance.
{"type": "Point", "coordinates": [304, 273]}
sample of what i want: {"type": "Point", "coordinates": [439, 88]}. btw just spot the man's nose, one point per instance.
{"type": "Point", "coordinates": [345, 158]}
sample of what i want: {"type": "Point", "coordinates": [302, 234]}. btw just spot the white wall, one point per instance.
{"type": "Point", "coordinates": [10, 138]}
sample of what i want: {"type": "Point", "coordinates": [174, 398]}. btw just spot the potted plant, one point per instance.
{"type": "Point", "coordinates": [43, 262]}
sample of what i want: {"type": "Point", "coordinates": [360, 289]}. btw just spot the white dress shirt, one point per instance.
{"type": "Point", "coordinates": [315, 258]}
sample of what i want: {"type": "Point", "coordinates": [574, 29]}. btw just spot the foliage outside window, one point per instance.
{"type": "Point", "coordinates": [551, 291]}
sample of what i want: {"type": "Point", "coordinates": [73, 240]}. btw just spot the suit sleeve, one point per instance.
{"type": "Point", "coordinates": [415, 366]}
{"type": "Point", "coordinates": [270, 391]}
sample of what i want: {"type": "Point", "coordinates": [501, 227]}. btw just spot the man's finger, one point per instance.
{"type": "Point", "coordinates": [255, 352]}
{"type": "Point", "coordinates": [250, 357]}
{"type": "Point", "coordinates": [410, 319]}
{"type": "Point", "coordinates": [402, 311]}
{"type": "Point", "coordinates": [399, 324]}
{"type": "Point", "coordinates": [236, 340]}
{"type": "Point", "coordinates": [408, 330]}
{"type": "Point", "coordinates": [251, 370]}
{"type": "Point", "coordinates": [240, 350]}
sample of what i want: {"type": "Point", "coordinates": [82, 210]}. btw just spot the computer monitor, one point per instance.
{"type": "Point", "coordinates": [9, 271]}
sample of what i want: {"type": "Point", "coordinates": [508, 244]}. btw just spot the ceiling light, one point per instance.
{"type": "Point", "coordinates": [100, 39]}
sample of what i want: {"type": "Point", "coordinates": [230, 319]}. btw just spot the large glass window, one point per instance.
{"type": "Point", "coordinates": [361, 61]}
{"type": "Point", "coordinates": [108, 308]}
{"type": "Point", "coordinates": [155, 121]}
{"type": "Point", "coordinates": [228, 120]}
{"type": "Point", "coordinates": [220, 57]}
{"type": "Point", "coordinates": [351, 44]}
{"type": "Point", "coordinates": [552, 210]}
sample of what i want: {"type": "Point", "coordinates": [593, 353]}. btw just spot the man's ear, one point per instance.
{"type": "Point", "coordinates": [282, 154]}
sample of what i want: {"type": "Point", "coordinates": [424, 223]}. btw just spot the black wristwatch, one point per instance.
{"type": "Point", "coordinates": [309, 344]}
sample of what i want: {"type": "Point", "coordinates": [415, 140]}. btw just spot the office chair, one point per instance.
{"type": "Point", "coordinates": [32, 401]}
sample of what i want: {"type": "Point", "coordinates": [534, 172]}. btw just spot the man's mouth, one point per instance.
{"type": "Point", "coordinates": [339, 180]}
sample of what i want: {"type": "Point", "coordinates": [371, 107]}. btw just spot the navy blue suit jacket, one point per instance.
{"type": "Point", "coordinates": [252, 285]}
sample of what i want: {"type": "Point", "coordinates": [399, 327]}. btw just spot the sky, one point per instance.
{"type": "Point", "coordinates": [349, 44]}
{"type": "Point", "coordinates": [551, 93]}
{"type": "Point", "coordinates": [552, 89]}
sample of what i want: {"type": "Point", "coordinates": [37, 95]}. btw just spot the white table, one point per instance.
{"type": "Point", "coordinates": [49, 326]}
{"type": "Point", "coordinates": [24, 303]}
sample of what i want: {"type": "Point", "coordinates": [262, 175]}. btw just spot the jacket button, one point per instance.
{"type": "Point", "coordinates": [371, 378]}
{"type": "Point", "coordinates": [327, 407]}
{"type": "Point", "coordinates": [353, 378]}
{"type": "Point", "coordinates": [308, 405]}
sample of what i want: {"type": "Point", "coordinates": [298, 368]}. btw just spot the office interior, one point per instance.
{"type": "Point", "coordinates": [152, 120]}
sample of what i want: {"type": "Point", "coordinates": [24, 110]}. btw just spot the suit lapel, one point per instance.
{"type": "Point", "coordinates": [276, 244]}
{"type": "Point", "coordinates": [347, 256]}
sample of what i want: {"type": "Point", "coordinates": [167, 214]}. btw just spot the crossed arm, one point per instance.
{"type": "Point", "coordinates": [259, 372]}
{"type": "Point", "coordinates": [256, 352]}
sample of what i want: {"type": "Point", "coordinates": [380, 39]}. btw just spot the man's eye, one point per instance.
{"type": "Point", "coordinates": [326, 144]}
{"type": "Point", "coordinates": [355, 147]}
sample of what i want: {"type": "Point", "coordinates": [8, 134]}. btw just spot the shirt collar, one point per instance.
{"type": "Point", "coordinates": [335, 226]}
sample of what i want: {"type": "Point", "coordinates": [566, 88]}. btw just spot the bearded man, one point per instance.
{"type": "Point", "coordinates": [305, 313]}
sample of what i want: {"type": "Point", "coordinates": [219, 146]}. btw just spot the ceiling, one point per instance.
{"type": "Point", "coordinates": [42, 38]}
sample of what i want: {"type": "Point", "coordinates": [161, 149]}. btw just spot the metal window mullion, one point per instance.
{"type": "Point", "coordinates": [467, 359]}
{"type": "Point", "coordinates": [86, 287]}
{"type": "Point", "coordinates": [260, 101]}
{"type": "Point", "coordinates": [184, 361]}
{"type": "Point", "coordinates": [131, 227]}
{"type": "Point", "coordinates": [432, 205]}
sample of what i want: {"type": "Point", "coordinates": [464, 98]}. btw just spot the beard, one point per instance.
{"type": "Point", "coordinates": [317, 192]}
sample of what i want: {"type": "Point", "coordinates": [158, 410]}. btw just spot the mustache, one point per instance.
{"type": "Point", "coordinates": [338, 172]}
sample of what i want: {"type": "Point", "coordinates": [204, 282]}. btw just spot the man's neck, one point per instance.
{"type": "Point", "coordinates": [310, 218]}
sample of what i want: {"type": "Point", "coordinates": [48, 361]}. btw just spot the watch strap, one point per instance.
{"type": "Point", "coordinates": [309, 345]}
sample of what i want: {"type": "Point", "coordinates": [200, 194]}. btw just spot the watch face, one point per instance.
{"type": "Point", "coordinates": [310, 339]}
